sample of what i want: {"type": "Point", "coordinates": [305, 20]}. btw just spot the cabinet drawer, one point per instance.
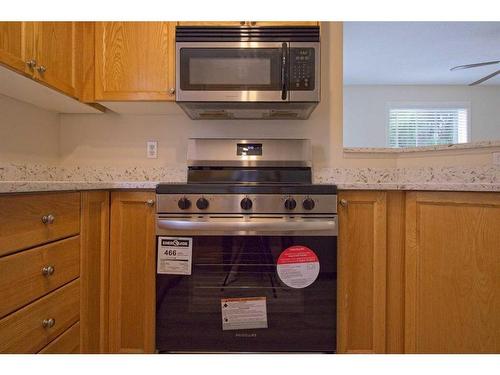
{"type": "Point", "coordinates": [33, 219]}
{"type": "Point", "coordinates": [67, 343]}
{"type": "Point", "coordinates": [23, 330]}
{"type": "Point", "coordinates": [27, 275]}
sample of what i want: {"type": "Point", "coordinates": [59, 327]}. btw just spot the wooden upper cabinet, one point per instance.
{"type": "Point", "coordinates": [135, 61]}
{"type": "Point", "coordinates": [16, 45]}
{"type": "Point", "coordinates": [362, 272]}
{"type": "Point", "coordinates": [132, 273]}
{"type": "Point", "coordinates": [58, 54]}
{"type": "Point", "coordinates": [452, 263]}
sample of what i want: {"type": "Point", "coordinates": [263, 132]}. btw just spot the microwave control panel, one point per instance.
{"type": "Point", "coordinates": [302, 69]}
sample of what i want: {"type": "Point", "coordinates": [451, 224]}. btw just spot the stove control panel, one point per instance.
{"type": "Point", "coordinates": [247, 203]}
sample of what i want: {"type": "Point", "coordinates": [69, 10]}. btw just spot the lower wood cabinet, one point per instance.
{"type": "Point", "coordinates": [362, 270]}
{"type": "Point", "coordinates": [94, 268]}
{"type": "Point", "coordinates": [452, 262]}
{"type": "Point", "coordinates": [370, 272]}
{"type": "Point", "coordinates": [132, 273]}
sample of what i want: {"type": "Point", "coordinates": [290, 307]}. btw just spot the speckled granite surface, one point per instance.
{"type": "Point", "coordinates": [38, 177]}
{"type": "Point", "coordinates": [404, 150]}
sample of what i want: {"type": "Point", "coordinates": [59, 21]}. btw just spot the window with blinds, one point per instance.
{"type": "Point", "coordinates": [413, 127]}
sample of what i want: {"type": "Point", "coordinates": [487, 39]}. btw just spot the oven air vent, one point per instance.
{"type": "Point", "coordinates": [247, 34]}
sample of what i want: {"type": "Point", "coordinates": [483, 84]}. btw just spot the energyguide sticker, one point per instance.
{"type": "Point", "coordinates": [175, 255]}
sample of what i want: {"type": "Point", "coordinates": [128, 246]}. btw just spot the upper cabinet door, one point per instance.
{"type": "Point", "coordinates": [58, 55]}
{"type": "Point", "coordinates": [16, 45]}
{"type": "Point", "coordinates": [135, 61]}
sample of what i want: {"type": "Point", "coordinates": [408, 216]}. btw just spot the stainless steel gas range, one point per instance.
{"type": "Point", "coordinates": [246, 251]}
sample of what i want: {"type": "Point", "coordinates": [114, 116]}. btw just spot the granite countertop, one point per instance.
{"type": "Point", "coordinates": [406, 150]}
{"type": "Point", "coordinates": [17, 178]}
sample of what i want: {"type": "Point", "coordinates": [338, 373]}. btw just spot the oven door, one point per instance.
{"type": "Point", "coordinates": [231, 71]}
{"type": "Point", "coordinates": [252, 287]}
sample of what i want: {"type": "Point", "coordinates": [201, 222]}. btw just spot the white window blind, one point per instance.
{"type": "Point", "coordinates": [413, 127]}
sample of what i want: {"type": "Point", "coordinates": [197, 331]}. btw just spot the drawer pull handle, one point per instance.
{"type": "Point", "coordinates": [48, 219]}
{"type": "Point", "coordinates": [48, 271]}
{"type": "Point", "coordinates": [150, 202]}
{"type": "Point", "coordinates": [48, 323]}
{"type": "Point", "coordinates": [343, 203]}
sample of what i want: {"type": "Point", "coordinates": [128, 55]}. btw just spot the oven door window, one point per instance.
{"type": "Point", "coordinates": [189, 312]}
{"type": "Point", "coordinates": [230, 69]}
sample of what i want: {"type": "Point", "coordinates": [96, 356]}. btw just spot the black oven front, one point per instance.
{"type": "Point", "coordinates": [246, 283]}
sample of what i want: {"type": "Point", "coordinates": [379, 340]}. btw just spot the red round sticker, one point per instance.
{"type": "Point", "coordinates": [298, 266]}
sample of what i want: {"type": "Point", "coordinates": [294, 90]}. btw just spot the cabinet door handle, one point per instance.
{"type": "Point", "coordinates": [150, 202]}
{"type": "Point", "coordinates": [48, 219]}
{"type": "Point", "coordinates": [343, 202]}
{"type": "Point", "coordinates": [48, 323]}
{"type": "Point", "coordinates": [48, 271]}
{"type": "Point", "coordinates": [31, 64]}
{"type": "Point", "coordinates": [41, 69]}
{"type": "Point", "coordinates": [171, 91]}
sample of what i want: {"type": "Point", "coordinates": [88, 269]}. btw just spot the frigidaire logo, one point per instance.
{"type": "Point", "coordinates": [245, 335]}
{"type": "Point", "coordinates": [176, 243]}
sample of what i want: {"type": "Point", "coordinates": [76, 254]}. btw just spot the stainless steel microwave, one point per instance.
{"type": "Point", "coordinates": [248, 71]}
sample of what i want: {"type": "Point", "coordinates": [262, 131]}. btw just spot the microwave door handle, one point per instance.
{"type": "Point", "coordinates": [284, 77]}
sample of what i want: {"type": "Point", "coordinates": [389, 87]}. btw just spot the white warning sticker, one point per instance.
{"type": "Point", "coordinates": [298, 267]}
{"type": "Point", "coordinates": [174, 255]}
{"type": "Point", "coordinates": [243, 313]}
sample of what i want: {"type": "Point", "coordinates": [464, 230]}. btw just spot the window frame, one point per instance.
{"type": "Point", "coordinates": [426, 105]}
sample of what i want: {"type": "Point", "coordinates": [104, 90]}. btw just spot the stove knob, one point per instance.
{"type": "Point", "coordinates": [202, 204]}
{"type": "Point", "coordinates": [184, 203]}
{"type": "Point", "coordinates": [246, 203]}
{"type": "Point", "coordinates": [308, 204]}
{"type": "Point", "coordinates": [290, 204]}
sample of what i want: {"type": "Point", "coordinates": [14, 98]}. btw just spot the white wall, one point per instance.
{"type": "Point", "coordinates": [365, 109]}
{"type": "Point", "coordinates": [27, 133]}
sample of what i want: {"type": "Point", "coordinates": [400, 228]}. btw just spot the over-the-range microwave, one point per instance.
{"type": "Point", "coordinates": [248, 72]}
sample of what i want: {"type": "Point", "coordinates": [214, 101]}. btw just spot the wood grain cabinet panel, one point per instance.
{"type": "Point", "coordinates": [362, 272]}
{"type": "Point", "coordinates": [26, 276]}
{"type": "Point", "coordinates": [132, 273]}
{"type": "Point", "coordinates": [58, 47]}
{"type": "Point", "coordinates": [452, 294]}
{"type": "Point", "coordinates": [134, 61]}
{"type": "Point", "coordinates": [23, 331]}
{"type": "Point", "coordinates": [94, 271]}
{"type": "Point", "coordinates": [28, 220]}
{"type": "Point", "coordinates": [67, 343]}
{"type": "Point", "coordinates": [16, 45]}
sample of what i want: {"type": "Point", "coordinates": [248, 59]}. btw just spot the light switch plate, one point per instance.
{"type": "Point", "coordinates": [496, 158]}
{"type": "Point", "coordinates": [152, 149]}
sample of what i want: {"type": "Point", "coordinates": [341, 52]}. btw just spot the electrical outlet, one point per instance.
{"type": "Point", "coordinates": [152, 149]}
{"type": "Point", "coordinates": [496, 158]}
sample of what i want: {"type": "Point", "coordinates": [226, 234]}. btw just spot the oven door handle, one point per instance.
{"type": "Point", "coordinates": [240, 225]}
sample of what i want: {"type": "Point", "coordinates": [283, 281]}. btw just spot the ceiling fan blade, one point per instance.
{"type": "Point", "coordinates": [485, 78]}
{"type": "Point", "coordinates": [468, 66]}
